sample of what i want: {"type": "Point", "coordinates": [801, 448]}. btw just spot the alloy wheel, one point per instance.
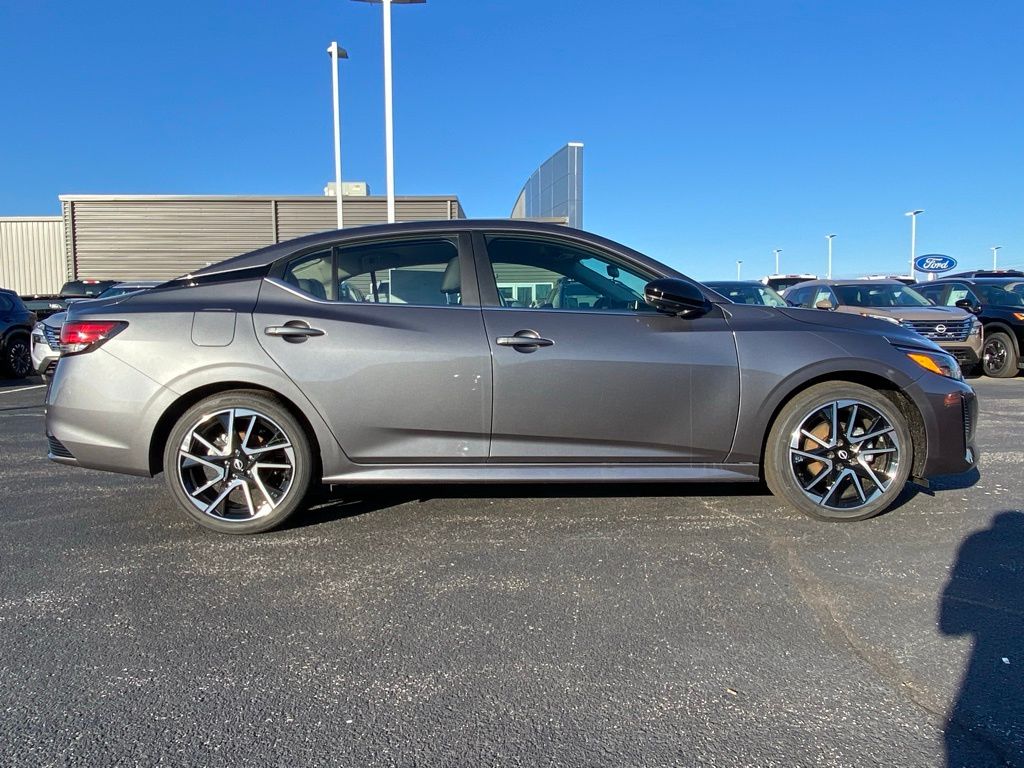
{"type": "Point", "coordinates": [236, 465]}
{"type": "Point", "coordinates": [844, 455]}
{"type": "Point", "coordinates": [19, 358]}
{"type": "Point", "coordinates": [994, 356]}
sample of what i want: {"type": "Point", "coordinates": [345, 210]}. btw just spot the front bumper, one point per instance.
{"type": "Point", "coordinates": [44, 357]}
{"type": "Point", "coordinates": [949, 411]}
{"type": "Point", "coordinates": [968, 354]}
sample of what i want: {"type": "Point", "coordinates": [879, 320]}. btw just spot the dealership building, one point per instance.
{"type": "Point", "coordinates": [156, 237]}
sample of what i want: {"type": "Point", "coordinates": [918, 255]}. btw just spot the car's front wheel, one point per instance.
{"type": "Point", "coordinates": [238, 462]}
{"type": "Point", "coordinates": [999, 359]}
{"type": "Point", "coordinates": [839, 451]}
{"type": "Point", "coordinates": [17, 359]}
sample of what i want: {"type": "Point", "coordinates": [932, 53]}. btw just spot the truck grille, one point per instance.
{"type": "Point", "coordinates": [52, 336]}
{"type": "Point", "coordinates": [951, 330]}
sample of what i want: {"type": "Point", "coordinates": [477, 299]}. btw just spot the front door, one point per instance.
{"type": "Point", "coordinates": [589, 373]}
{"type": "Point", "coordinates": [386, 339]}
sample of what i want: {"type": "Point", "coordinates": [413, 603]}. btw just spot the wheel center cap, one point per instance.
{"type": "Point", "coordinates": [238, 464]}
{"type": "Point", "coordinates": [844, 455]}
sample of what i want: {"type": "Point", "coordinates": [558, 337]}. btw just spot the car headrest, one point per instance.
{"type": "Point", "coordinates": [452, 280]}
{"type": "Point", "coordinates": [313, 287]}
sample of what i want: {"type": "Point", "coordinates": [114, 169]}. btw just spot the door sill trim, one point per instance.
{"type": "Point", "coordinates": [549, 473]}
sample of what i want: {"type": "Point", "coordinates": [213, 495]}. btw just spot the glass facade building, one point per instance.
{"type": "Point", "coordinates": [555, 189]}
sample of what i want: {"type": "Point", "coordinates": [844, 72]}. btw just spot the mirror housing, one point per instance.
{"type": "Point", "coordinates": [676, 297]}
{"type": "Point", "coordinates": [824, 304]}
{"type": "Point", "coordinates": [972, 308]}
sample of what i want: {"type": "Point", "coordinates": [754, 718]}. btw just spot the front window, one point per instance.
{"type": "Point", "coordinates": [551, 274]}
{"type": "Point", "coordinates": [875, 295]}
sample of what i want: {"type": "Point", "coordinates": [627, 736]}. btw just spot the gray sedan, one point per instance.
{"type": "Point", "coordinates": [426, 353]}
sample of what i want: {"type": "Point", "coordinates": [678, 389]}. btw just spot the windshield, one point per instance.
{"type": "Point", "coordinates": [879, 295]}
{"type": "Point", "coordinates": [119, 290]}
{"type": "Point", "coordinates": [749, 293]}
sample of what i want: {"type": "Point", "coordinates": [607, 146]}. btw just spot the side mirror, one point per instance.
{"type": "Point", "coordinates": [823, 304]}
{"type": "Point", "coordinates": [676, 297]}
{"type": "Point", "coordinates": [966, 304]}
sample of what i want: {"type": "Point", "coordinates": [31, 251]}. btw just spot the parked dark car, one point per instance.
{"type": "Point", "coordinates": [999, 305]}
{"type": "Point", "coordinates": [780, 283]}
{"type": "Point", "coordinates": [249, 380]}
{"type": "Point", "coordinates": [987, 273]}
{"type": "Point", "coordinates": [45, 305]}
{"type": "Point", "coordinates": [16, 322]}
{"type": "Point", "coordinates": [747, 292]}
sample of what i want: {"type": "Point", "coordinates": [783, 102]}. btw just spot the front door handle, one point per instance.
{"type": "Point", "coordinates": [295, 331]}
{"type": "Point", "coordinates": [524, 341]}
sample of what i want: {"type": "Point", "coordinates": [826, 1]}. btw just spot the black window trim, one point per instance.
{"type": "Point", "coordinates": [468, 281]}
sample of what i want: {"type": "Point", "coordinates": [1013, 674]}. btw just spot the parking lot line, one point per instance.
{"type": "Point", "coordinates": [21, 389]}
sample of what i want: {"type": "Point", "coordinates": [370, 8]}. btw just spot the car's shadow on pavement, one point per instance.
{"type": "Point", "coordinates": [350, 501]}
{"type": "Point", "coordinates": [9, 383]}
{"type": "Point", "coordinates": [984, 598]}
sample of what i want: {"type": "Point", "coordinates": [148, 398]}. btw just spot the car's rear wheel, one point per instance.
{"type": "Point", "coordinates": [17, 359]}
{"type": "Point", "coordinates": [839, 451]}
{"type": "Point", "coordinates": [238, 462]}
{"type": "Point", "coordinates": [999, 359]}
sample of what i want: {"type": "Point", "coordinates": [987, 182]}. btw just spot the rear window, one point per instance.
{"type": "Point", "coordinates": [79, 288]}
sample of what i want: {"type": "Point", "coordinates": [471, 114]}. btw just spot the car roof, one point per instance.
{"type": "Point", "coordinates": [271, 253]}
{"type": "Point", "coordinates": [851, 281]}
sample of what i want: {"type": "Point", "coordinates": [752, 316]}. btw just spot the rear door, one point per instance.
{"type": "Point", "coordinates": [601, 376]}
{"type": "Point", "coordinates": [386, 338]}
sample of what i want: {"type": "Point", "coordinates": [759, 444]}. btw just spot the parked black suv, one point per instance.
{"type": "Point", "coordinates": [16, 323]}
{"type": "Point", "coordinates": [999, 305]}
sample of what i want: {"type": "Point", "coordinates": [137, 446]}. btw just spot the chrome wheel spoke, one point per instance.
{"type": "Point", "coordinates": [872, 435]}
{"type": "Point", "coordinates": [815, 438]}
{"type": "Point", "coordinates": [851, 422]}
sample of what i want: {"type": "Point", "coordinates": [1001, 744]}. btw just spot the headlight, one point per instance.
{"type": "Point", "coordinates": [976, 328]}
{"type": "Point", "coordinates": [936, 362]}
{"type": "Point", "coordinates": [879, 317]}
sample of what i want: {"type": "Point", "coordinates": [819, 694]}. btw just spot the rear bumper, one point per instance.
{"type": "Point", "coordinates": [100, 413]}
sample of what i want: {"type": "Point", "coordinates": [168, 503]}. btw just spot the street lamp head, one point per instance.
{"type": "Point", "coordinates": [997, 247]}
{"type": "Point", "coordinates": [829, 237]}
{"type": "Point", "coordinates": [914, 213]}
{"type": "Point", "coordinates": [342, 53]}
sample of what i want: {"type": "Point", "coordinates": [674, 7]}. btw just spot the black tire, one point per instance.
{"type": "Point", "coordinates": [999, 358]}
{"type": "Point", "coordinates": [267, 437]}
{"type": "Point", "coordinates": [793, 461]}
{"type": "Point", "coordinates": [17, 360]}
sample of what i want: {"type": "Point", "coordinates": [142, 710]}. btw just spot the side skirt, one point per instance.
{"type": "Point", "coordinates": [549, 473]}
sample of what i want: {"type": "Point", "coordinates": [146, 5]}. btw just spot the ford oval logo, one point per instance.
{"type": "Point", "coordinates": [934, 262]}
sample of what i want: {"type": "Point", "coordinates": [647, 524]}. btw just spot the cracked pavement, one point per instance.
{"type": "Point", "coordinates": [503, 625]}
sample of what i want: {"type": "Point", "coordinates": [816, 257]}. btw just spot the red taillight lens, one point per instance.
{"type": "Point", "coordinates": [81, 336]}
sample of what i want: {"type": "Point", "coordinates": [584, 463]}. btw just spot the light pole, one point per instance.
{"type": "Point", "coordinates": [776, 253]}
{"type": "Point", "coordinates": [829, 238]}
{"type": "Point", "coordinates": [389, 139]}
{"type": "Point", "coordinates": [337, 52]}
{"type": "Point", "coordinates": [913, 236]}
{"type": "Point", "coordinates": [738, 264]}
{"type": "Point", "coordinates": [995, 259]}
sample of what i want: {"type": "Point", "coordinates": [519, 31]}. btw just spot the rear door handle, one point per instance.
{"type": "Point", "coordinates": [524, 341]}
{"type": "Point", "coordinates": [294, 331]}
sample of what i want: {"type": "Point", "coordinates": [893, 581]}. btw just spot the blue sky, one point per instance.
{"type": "Point", "coordinates": [714, 130]}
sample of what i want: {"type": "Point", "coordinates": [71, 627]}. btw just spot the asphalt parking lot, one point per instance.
{"type": "Point", "coordinates": [610, 626]}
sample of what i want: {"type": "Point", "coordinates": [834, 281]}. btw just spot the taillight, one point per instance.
{"type": "Point", "coordinates": [82, 336]}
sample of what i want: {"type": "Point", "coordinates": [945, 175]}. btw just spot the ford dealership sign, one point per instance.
{"type": "Point", "coordinates": [934, 262]}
